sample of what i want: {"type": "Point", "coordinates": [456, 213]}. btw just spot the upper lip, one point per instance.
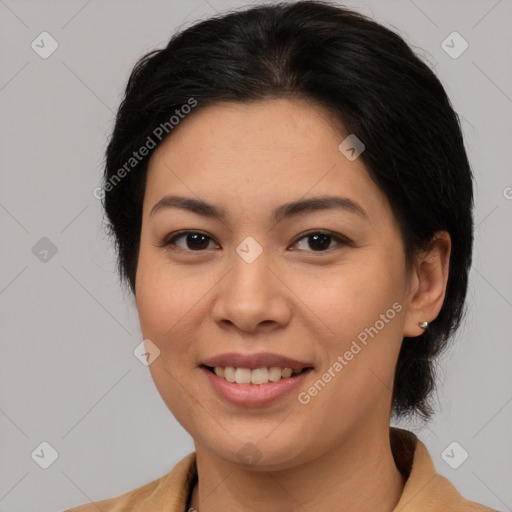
{"type": "Point", "coordinates": [252, 361]}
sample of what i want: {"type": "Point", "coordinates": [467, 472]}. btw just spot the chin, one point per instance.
{"type": "Point", "coordinates": [258, 452]}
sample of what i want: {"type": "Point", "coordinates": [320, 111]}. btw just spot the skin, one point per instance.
{"type": "Point", "coordinates": [334, 452]}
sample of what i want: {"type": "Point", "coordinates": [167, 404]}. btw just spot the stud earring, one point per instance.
{"type": "Point", "coordinates": [423, 325]}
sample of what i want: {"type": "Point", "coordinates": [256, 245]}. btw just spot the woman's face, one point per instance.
{"type": "Point", "coordinates": [252, 282]}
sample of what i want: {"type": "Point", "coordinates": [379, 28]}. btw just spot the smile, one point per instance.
{"type": "Point", "coordinates": [248, 394]}
{"type": "Point", "coordinates": [256, 377]}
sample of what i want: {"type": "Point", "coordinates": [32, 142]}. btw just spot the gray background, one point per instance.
{"type": "Point", "coordinates": [68, 374]}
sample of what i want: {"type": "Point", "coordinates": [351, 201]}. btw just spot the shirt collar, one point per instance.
{"type": "Point", "coordinates": [424, 491]}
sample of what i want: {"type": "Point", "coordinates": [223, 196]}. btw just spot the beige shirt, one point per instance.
{"type": "Point", "coordinates": [425, 490]}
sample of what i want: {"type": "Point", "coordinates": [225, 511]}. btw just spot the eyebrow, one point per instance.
{"type": "Point", "coordinates": [286, 210]}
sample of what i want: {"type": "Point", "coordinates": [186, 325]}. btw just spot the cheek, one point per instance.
{"type": "Point", "coordinates": [350, 298]}
{"type": "Point", "coordinates": [160, 295]}
{"type": "Point", "coordinates": [159, 286]}
{"type": "Point", "coordinates": [151, 296]}
{"type": "Point", "coordinates": [361, 306]}
{"type": "Point", "coordinates": [172, 300]}
{"type": "Point", "coordinates": [163, 302]}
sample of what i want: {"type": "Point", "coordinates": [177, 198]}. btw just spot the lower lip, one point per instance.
{"type": "Point", "coordinates": [253, 395]}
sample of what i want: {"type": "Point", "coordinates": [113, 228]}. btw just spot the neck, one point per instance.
{"type": "Point", "coordinates": [359, 476]}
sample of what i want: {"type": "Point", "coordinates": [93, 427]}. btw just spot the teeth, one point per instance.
{"type": "Point", "coordinates": [257, 376]}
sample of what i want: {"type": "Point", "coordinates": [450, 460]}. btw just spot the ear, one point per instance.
{"type": "Point", "coordinates": [429, 277]}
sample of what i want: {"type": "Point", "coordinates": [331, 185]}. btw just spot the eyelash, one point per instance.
{"type": "Point", "coordinates": [169, 243]}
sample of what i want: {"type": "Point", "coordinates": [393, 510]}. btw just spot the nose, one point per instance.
{"type": "Point", "coordinates": [252, 296]}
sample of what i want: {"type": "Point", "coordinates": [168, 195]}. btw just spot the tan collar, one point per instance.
{"type": "Point", "coordinates": [425, 490]}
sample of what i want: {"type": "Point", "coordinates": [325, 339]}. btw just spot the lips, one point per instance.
{"type": "Point", "coordinates": [253, 361]}
{"type": "Point", "coordinates": [244, 395]}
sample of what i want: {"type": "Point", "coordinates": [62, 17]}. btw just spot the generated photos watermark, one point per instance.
{"type": "Point", "coordinates": [159, 134]}
{"type": "Point", "coordinates": [305, 397]}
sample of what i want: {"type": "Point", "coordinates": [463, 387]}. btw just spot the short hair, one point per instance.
{"type": "Point", "coordinates": [363, 73]}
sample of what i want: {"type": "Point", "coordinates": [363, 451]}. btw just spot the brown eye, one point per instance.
{"type": "Point", "coordinates": [193, 241]}
{"type": "Point", "coordinates": [320, 241]}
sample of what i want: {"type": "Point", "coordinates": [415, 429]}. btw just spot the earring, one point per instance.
{"type": "Point", "coordinates": [423, 325]}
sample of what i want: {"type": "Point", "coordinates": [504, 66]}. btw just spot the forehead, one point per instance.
{"type": "Point", "coordinates": [267, 125]}
{"type": "Point", "coordinates": [271, 151]}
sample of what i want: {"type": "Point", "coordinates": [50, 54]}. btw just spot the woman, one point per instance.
{"type": "Point", "coordinates": [291, 201]}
